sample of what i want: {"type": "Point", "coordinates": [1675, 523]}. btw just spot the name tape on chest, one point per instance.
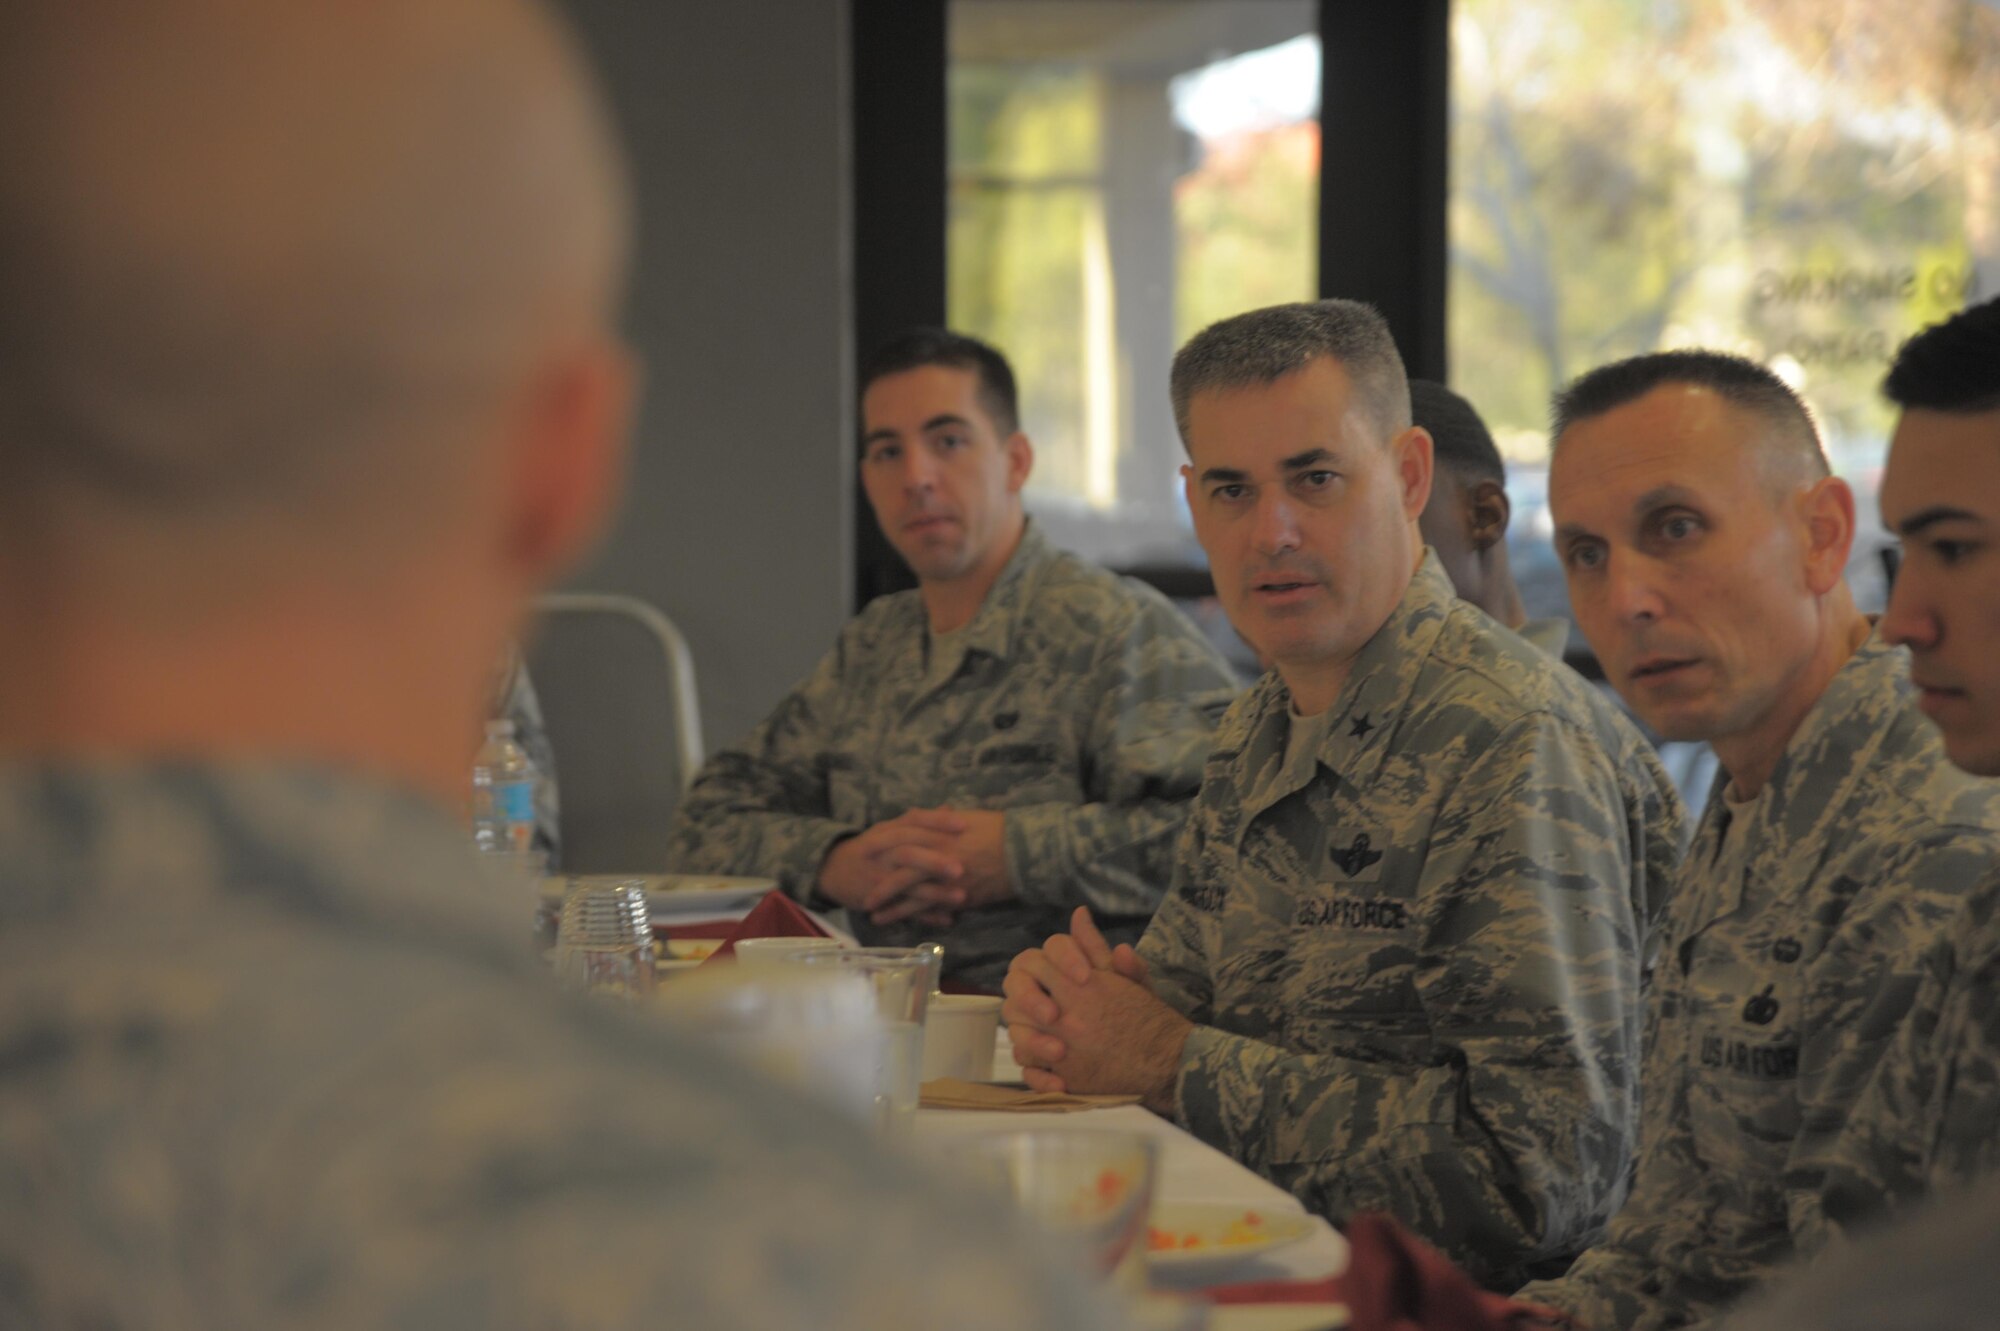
{"type": "Point", "coordinates": [1747, 1058]}
{"type": "Point", "coordinates": [1347, 913]}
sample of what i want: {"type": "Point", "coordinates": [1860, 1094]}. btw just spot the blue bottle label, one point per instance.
{"type": "Point", "coordinates": [514, 801]}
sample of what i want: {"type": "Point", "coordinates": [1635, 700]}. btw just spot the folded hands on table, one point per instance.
{"type": "Point", "coordinates": [925, 864]}
{"type": "Point", "coordinates": [1083, 1018]}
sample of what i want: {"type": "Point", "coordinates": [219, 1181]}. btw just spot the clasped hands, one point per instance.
{"type": "Point", "coordinates": [1083, 1018]}
{"type": "Point", "coordinates": [926, 864]}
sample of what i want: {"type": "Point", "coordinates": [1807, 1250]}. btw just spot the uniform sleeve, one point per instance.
{"type": "Point", "coordinates": [1930, 1117]}
{"type": "Point", "coordinates": [1624, 1281]}
{"type": "Point", "coordinates": [761, 808]}
{"type": "Point", "coordinates": [1159, 689]}
{"type": "Point", "coordinates": [1176, 946]}
{"type": "Point", "coordinates": [1513, 1145]}
{"type": "Point", "coordinates": [1660, 824]}
{"type": "Point", "coordinates": [1672, 1257]}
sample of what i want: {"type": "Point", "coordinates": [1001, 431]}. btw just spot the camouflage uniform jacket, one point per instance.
{"type": "Point", "coordinates": [274, 1055]}
{"type": "Point", "coordinates": [1929, 1121]}
{"type": "Point", "coordinates": [1412, 956]}
{"type": "Point", "coordinates": [1081, 704]}
{"type": "Point", "coordinates": [1777, 993]}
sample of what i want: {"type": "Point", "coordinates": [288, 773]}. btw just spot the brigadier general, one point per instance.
{"type": "Point", "coordinates": [1399, 967]}
{"type": "Point", "coordinates": [1018, 736]}
{"type": "Point", "coordinates": [1705, 544]}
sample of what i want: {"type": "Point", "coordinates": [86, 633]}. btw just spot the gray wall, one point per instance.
{"type": "Point", "coordinates": [738, 516]}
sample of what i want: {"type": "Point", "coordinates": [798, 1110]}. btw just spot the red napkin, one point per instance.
{"type": "Point", "coordinates": [1396, 1282]}
{"type": "Point", "coordinates": [774, 916]}
{"type": "Point", "coordinates": [1333, 1289]}
{"type": "Point", "coordinates": [706, 929]}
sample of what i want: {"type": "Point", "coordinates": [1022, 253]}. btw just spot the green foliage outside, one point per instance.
{"type": "Point", "coordinates": [1804, 181]}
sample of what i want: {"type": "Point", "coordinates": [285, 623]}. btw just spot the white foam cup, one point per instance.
{"type": "Point", "coordinates": [960, 1031]}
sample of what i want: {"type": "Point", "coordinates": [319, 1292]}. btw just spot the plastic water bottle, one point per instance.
{"type": "Point", "coordinates": [503, 795]}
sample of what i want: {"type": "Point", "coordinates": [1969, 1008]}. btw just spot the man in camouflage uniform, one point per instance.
{"type": "Point", "coordinates": [308, 381]}
{"type": "Point", "coordinates": [1465, 524]}
{"type": "Point", "coordinates": [1019, 735]}
{"type": "Point", "coordinates": [1399, 968]}
{"type": "Point", "coordinates": [1930, 1120]}
{"type": "Point", "coordinates": [1705, 543]}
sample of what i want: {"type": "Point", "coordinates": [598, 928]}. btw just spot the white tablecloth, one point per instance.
{"type": "Point", "coordinates": [1190, 1171]}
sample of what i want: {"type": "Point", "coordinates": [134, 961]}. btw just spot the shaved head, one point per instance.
{"type": "Point", "coordinates": [285, 258]}
{"type": "Point", "coordinates": [1787, 446]}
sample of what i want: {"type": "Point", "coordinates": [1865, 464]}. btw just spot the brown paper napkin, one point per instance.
{"type": "Point", "coordinates": [951, 1093]}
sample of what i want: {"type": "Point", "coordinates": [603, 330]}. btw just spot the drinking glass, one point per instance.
{"type": "Point", "coordinates": [604, 942]}
{"type": "Point", "coordinates": [902, 979]}
{"type": "Point", "coordinates": [816, 1029]}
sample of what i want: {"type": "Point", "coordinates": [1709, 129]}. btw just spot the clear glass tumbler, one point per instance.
{"type": "Point", "coordinates": [902, 979]}
{"type": "Point", "coordinates": [604, 942]}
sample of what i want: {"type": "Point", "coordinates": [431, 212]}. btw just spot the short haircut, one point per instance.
{"type": "Point", "coordinates": [1741, 382]}
{"type": "Point", "coordinates": [1462, 443]}
{"type": "Point", "coordinates": [919, 347]}
{"type": "Point", "coordinates": [1951, 366]}
{"type": "Point", "coordinates": [1265, 345]}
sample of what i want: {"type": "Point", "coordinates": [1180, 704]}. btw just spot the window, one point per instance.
{"type": "Point", "coordinates": [1121, 174]}
{"type": "Point", "coordinates": [1806, 182]}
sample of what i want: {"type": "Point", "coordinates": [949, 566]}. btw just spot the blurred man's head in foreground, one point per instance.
{"type": "Point", "coordinates": [305, 355]}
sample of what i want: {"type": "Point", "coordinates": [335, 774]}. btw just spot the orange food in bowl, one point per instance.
{"type": "Point", "coordinates": [1249, 1228]}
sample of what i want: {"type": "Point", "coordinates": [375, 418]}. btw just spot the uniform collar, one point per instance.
{"type": "Point", "coordinates": [1832, 751]}
{"type": "Point", "coordinates": [1361, 724]}
{"type": "Point", "coordinates": [992, 628]}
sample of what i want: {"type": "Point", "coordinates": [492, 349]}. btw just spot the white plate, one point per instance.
{"type": "Point", "coordinates": [686, 893]}
{"type": "Point", "coordinates": [670, 894]}
{"type": "Point", "coordinates": [1212, 1223]}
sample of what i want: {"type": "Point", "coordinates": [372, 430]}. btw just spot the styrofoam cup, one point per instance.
{"type": "Point", "coordinates": [959, 1035]}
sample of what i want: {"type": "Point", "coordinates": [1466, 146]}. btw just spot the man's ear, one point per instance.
{"type": "Point", "coordinates": [1411, 452]}
{"type": "Point", "coordinates": [1826, 512]}
{"type": "Point", "coordinates": [572, 436]}
{"type": "Point", "coordinates": [1487, 513]}
{"type": "Point", "coordinates": [1020, 460]}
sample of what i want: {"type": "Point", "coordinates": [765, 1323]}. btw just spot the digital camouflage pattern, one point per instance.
{"type": "Point", "coordinates": [1550, 635]}
{"type": "Point", "coordinates": [1929, 1122]}
{"type": "Point", "coordinates": [1779, 988]}
{"type": "Point", "coordinates": [1081, 704]}
{"type": "Point", "coordinates": [1412, 952]}
{"type": "Point", "coordinates": [274, 1056]}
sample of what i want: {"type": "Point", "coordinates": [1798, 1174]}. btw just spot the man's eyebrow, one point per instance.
{"type": "Point", "coordinates": [937, 422]}
{"type": "Point", "coordinates": [1226, 475]}
{"type": "Point", "coordinates": [1300, 461]}
{"type": "Point", "coordinates": [1661, 496]}
{"type": "Point", "coordinates": [1569, 531]}
{"type": "Point", "coordinates": [1930, 517]}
